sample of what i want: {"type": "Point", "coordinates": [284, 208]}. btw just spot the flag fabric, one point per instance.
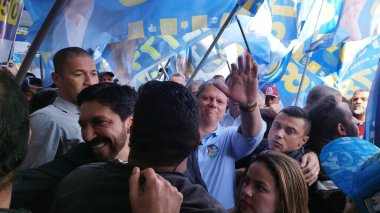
{"type": "Point", "coordinates": [97, 22]}
{"type": "Point", "coordinates": [372, 127]}
{"type": "Point", "coordinates": [358, 20]}
{"type": "Point", "coordinates": [322, 68]}
{"type": "Point", "coordinates": [10, 12]}
{"type": "Point", "coordinates": [359, 67]}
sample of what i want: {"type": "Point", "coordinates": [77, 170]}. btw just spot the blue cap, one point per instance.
{"type": "Point", "coordinates": [353, 164]}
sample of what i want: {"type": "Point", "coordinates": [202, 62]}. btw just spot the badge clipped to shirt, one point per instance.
{"type": "Point", "coordinates": [212, 150]}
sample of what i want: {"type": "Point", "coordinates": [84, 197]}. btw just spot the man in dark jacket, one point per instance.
{"type": "Point", "coordinates": [161, 141]}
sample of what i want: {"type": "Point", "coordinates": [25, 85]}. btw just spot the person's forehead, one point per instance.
{"type": "Point", "coordinates": [361, 94]}
{"type": "Point", "coordinates": [212, 90]}
{"type": "Point", "coordinates": [290, 121]}
{"type": "Point", "coordinates": [94, 108]}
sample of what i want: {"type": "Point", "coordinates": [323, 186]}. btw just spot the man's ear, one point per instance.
{"type": "Point", "coordinates": [305, 139]}
{"type": "Point", "coordinates": [341, 129]}
{"type": "Point", "coordinates": [128, 123]}
{"type": "Point", "coordinates": [55, 78]}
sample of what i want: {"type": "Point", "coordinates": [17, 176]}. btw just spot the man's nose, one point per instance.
{"type": "Point", "coordinates": [88, 134]}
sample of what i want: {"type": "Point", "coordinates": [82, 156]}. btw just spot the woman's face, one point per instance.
{"type": "Point", "coordinates": [259, 193]}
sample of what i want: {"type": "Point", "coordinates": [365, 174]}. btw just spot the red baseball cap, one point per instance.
{"type": "Point", "coordinates": [271, 90]}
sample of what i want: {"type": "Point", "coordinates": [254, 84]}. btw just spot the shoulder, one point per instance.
{"type": "Point", "coordinates": [195, 197]}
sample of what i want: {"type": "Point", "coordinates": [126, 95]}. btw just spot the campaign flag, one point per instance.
{"type": "Point", "coordinates": [10, 12]}
{"type": "Point", "coordinates": [372, 123]}
{"type": "Point", "coordinates": [318, 22]}
{"type": "Point", "coordinates": [322, 68]}
{"type": "Point", "coordinates": [359, 69]}
{"type": "Point", "coordinates": [90, 23]}
{"type": "Point", "coordinates": [359, 19]}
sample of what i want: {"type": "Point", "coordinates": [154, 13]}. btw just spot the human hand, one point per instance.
{"type": "Point", "coordinates": [154, 194]}
{"type": "Point", "coordinates": [310, 167]}
{"type": "Point", "coordinates": [243, 85]}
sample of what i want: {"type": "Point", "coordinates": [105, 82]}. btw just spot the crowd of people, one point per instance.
{"type": "Point", "coordinates": [92, 145]}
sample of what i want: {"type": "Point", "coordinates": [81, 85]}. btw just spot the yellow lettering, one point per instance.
{"type": "Point", "coordinates": [282, 10]}
{"type": "Point", "coordinates": [171, 41]}
{"type": "Point", "coordinates": [199, 22]}
{"type": "Point", "coordinates": [361, 77]}
{"type": "Point", "coordinates": [146, 47]}
{"type": "Point", "coordinates": [313, 67]}
{"type": "Point", "coordinates": [10, 11]}
{"type": "Point", "coordinates": [131, 3]}
{"type": "Point", "coordinates": [348, 87]}
{"type": "Point", "coordinates": [135, 65]}
{"type": "Point", "coordinates": [279, 29]}
{"type": "Point", "coordinates": [293, 77]}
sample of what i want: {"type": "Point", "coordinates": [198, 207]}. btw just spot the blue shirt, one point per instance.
{"type": "Point", "coordinates": [217, 155]}
{"type": "Point", "coordinates": [52, 125]}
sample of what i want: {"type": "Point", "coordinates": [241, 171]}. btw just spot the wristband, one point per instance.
{"type": "Point", "coordinates": [250, 108]}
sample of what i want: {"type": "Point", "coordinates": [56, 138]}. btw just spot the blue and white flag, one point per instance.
{"type": "Point", "coordinates": [90, 23]}
{"type": "Point", "coordinates": [358, 70]}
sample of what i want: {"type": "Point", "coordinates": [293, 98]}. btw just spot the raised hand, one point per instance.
{"type": "Point", "coordinates": [243, 86]}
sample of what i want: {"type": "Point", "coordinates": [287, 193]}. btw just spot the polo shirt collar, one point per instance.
{"type": "Point", "coordinates": [66, 106]}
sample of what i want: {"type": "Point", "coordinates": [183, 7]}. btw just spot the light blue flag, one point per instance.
{"type": "Point", "coordinates": [372, 123]}
{"type": "Point", "coordinates": [322, 68]}
{"type": "Point", "coordinates": [284, 19]}
{"type": "Point", "coordinates": [90, 23]}
{"type": "Point", "coordinates": [359, 19]}
{"type": "Point", "coordinates": [359, 71]}
{"type": "Point", "coordinates": [319, 23]}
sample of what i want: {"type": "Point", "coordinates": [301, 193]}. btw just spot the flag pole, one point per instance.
{"type": "Point", "coordinates": [243, 34]}
{"type": "Point", "coordinates": [309, 54]}
{"type": "Point", "coordinates": [29, 57]}
{"type": "Point", "coordinates": [225, 24]}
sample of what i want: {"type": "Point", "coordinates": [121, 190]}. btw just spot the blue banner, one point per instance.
{"type": "Point", "coordinates": [91, 23]}
{"type": "Point", "coordinates": [322, 68]}
{"type": "Point", "coordinates": [359, 72]}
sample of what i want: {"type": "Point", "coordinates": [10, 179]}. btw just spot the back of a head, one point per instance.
{"type": "Point", "coordinates": [324, 116]}
{"type": "Point", "coordinates": [43, 98]}
{"type": "Point", "coordinates": [120, 99]}
{"type": "Point", "coordinates": [14, 125]}
{"type": "Point", "coordinates": [292, 186]}
{"type": "Point", "coordinates": [61, 57]}
{"type": "Point", "coordinates": [165, 126]}
{"type": "Point", "coordinates": [298, 112]}
{"type": "Point", "coordinates": [318, 93]}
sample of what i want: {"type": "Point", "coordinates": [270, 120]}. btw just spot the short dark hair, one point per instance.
{"type": "Point", "coordinates": [298, 112]}
{"type": "Point", "coordinates": [14, 125]}
{"type": "Point", "coordinates": [61, 57]}
{"type": "Point", "coordinates": [318, 93]}
{"type": "Point", "coordinates": [165, 127]}
{"type": "Point", "coordinates": [43, 98]}
{"type": "Point", "coordinates": [325, 115]}
{"type": "Point", "coordinates": [120, 99]}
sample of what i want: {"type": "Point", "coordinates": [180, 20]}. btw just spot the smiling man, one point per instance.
{"type": "Point", "coordinates": [55, 128]}
{"type": "Point", "coordinates": [105, 119]}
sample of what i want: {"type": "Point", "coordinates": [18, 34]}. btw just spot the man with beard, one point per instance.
{"type": "Point", "coordinates": [329, 120]}
{"type": "Point", "coordinates": [359, 102]}
{"type": "Point", "coordinates": [165, 131]}
{"type": "Point", "coordinates": [105, 118]}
